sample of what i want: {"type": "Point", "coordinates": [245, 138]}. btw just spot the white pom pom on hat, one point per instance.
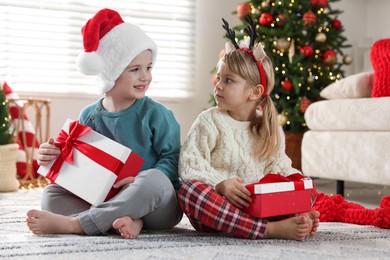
{"type": "Point", "coordinates": [89, 63]}
{"type": "Point", "coordinates": [110, 45]}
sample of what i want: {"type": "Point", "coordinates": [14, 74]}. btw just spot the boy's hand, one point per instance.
{"type": "Point", "coordinates": [47, 152]}
{"type": "Point", "coordinates": [234, 191]}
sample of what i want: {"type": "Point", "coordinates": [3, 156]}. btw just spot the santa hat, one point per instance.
{"type": "Point", "coordinates": [110, 45]}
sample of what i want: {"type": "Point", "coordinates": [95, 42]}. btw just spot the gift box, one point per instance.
{"type": "Point", "coordinates": [90, 163]}
{"type": "Point", "coordinates": [277, 195]}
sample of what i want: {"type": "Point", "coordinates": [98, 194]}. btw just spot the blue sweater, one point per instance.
{"type": "Point", "coordinates": [146, 127]}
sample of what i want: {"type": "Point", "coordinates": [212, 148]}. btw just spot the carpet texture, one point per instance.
{"type": "Point", "coordinates": [332, 241]}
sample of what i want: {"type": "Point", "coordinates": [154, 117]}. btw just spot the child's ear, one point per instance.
{"type": "Point", "coordinates": [257, 92]}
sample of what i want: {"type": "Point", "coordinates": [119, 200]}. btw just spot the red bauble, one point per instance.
{"type": "Point", "coordinates": [243, 10]}
{"type": "Point", "coordinates": [266, 19]}
{"type": "Point", "coordinates": [321, 3]}
{"type": "Point", "coordinates": [287, 85]}
{"type": "Point", "coordinates": [309, 17]}
{"type": "Point", "coordinates": [305, 102]}
{"type": "Point", "coordinates": [214, 79]}
{"type": "Point", "coordinates": [336, 24]}
{"type": "Point", "coordinates": [329, 57]}
{"type": "Point", "coordinates": [307, 50]}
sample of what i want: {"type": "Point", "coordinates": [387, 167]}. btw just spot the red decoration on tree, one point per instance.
{"type": "Point", "coordinates": [309, 17]}
{"type": "Point", "coordinates": [287, 85]}
{"type": "Point", "coordinates": [305, 102]}
{"type": "Point", "coordinates": [243, 10]}
{"type": "Point", "coordinates": [329, 57]}
{"type": "Point", "coordinates": [336, 24]}
{"type": "Point", "coordinates": [266, 19]}
{"type": "Point", "coordinates": [307, 50]}
{"type": "Point", "coordinates": [321, 3]}
{"type": "Point", "coordinates": [214, 79]}
{"type": "Point", "coordinates": [282, 19]}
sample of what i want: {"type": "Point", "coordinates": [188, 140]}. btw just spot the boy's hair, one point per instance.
{"type": "Point", "coordinates": [110, 45]}
{"type": "Point", "coordinates": [266, 127]}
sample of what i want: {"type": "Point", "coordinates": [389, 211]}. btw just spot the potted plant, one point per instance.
{"type": "Point", "coordinates": [8, 147]}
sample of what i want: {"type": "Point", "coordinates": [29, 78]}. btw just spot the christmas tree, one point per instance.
{"type": "Point", "coordinates": [305, 40]}
{"type": "Point", "coordinates": [6, 136]}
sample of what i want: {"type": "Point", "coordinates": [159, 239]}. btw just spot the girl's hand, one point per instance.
{"type": "Point", "coordinates": [122, 183]}
{"type": "Point", "coordinates": [235, 192]}
{"type": "Point", "coordinates": [47, 152]}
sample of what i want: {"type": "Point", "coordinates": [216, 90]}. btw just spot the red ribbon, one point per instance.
{"type": "Point", "coordinates": [66, 142]}
{"type": "Point", "coordinates": [297, 178]}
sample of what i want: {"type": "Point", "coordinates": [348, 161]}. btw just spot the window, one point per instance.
{"type": "Point", "coordinates": [40, 41]}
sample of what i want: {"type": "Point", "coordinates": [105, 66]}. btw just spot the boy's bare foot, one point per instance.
{"type": "Point", "coordinates": [127, 227]}
{"type": "Point", "coordinates": [294, 228]}
{"type": "Point", "coordinates": [45, 222]}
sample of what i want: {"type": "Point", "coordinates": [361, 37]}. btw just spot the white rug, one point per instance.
{"type": "Point", "coordinates": [332, 241]}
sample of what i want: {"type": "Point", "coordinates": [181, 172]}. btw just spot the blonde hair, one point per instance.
{"type": "Point", "coordinates": [264, 128]}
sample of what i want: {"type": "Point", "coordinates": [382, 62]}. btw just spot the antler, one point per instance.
{"type": "Point", "coordinates": [251, 31]}
{"type": "Point", "coordinates": [230, 34]}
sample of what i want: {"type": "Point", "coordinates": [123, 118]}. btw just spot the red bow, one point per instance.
{"type": "Point", "coordinates": [297, 178]}
{"type": "Point", "coordinates": [66, 142]}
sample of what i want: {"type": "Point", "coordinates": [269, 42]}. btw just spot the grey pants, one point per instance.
{"type": "Point", "coordinates": [150, 197]}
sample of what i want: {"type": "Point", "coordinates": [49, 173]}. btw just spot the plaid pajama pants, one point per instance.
{"type": "Point", "coordinates": [208, 211]}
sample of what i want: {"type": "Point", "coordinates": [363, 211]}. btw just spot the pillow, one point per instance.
{"type": "Point", "coordinates": [380, 60]}
{"type": "Point", "coordinates": [354, 86]}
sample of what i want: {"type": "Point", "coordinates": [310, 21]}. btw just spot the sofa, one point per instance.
{"type": "Point", "coordinates": [349, 131]}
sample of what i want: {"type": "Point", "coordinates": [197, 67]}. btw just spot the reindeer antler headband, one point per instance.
{"type": "Point", "coordinates": [258, 53]}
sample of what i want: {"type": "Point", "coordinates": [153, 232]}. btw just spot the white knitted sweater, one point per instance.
{"type": "Point", "coordinates": [219, 147]}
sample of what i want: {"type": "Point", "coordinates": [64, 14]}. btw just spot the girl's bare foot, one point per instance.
{"type": "Point", "coordinates": [45, 222]}
{"type": "Point", "coordinates": [315, 217]}
{"type": "Point", "coordinates": [127, 227]}
{"type": "Point", "coordinates": [294, 228]}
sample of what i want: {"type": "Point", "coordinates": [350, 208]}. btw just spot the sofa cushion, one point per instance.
{"type": "Point", "coordinates": [359, 114]}
{"type": "Point", "coordinates": [380, 60]}
{"type": "Point", "coordinates": [354, 86]}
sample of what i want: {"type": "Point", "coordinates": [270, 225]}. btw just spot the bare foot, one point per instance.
{"type": "Point", "coordinates": [294, 228]}
{"type": "Point", "coordinates": [315, 217]}
{"type": "Point", "coordinates": [45, 222]}
{"type": "Point", "coordinates": [127, 227]}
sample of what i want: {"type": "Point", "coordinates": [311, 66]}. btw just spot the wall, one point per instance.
{"type": "Point", "coordinates": [364, 21]}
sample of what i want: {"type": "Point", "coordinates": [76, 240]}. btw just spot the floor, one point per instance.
{"type": "Point", "coordinates": [368, 195]}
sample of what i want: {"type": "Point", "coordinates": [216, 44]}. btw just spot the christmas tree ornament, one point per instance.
{"type": "Point", "coordinates": [214, 79]}
{"type": "Point", "coordinates": [265, 4]}
{"type": "Point", "coordinates": [320, 3]}
{"type": "Point", "coordinates": [307, 50]}
{"type": "Point", "coordinates": [321, 37]}
{"type": "Point", "coordinates": [243, 10]}
{"type": "Point", "coordinates": [282, 119]}
{"type": "Point", "coordinates": [310, 79]}
{"type": "Point", "coordinates": [336, 24]}
{"type": "Point", "coordinates": [347, 59]}
{"type": "Point", "coordinates": [266, 19]}
{"type": "Point", "coordinates": [287, 85]}
{"type": "Point", "coordinates": [281, 20]}
{"type": "Point", "coordinates": [309, 18]}
{"type": "Point", "coordinates": [283, 44]}
{"type": "Point", "coordinates": [329, 57]}
{"type": "Point", "coordinates": [305, 102]}
{"type": "Point", "coordinates": [291, 51]}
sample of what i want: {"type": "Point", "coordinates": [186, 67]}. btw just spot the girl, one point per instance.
{"type": "Point", "coordinates": [122, 58]}
{"type": "Point", "coordinates": [235, 143]}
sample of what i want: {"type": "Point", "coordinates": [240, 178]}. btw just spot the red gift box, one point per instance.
{"type": "Point", "coordinates": [90, 163]}
{"type": "Point", "coordinates": [277, 195]}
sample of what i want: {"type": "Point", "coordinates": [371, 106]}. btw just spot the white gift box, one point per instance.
{"type": "Point", "coordinates": [88, 179]}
